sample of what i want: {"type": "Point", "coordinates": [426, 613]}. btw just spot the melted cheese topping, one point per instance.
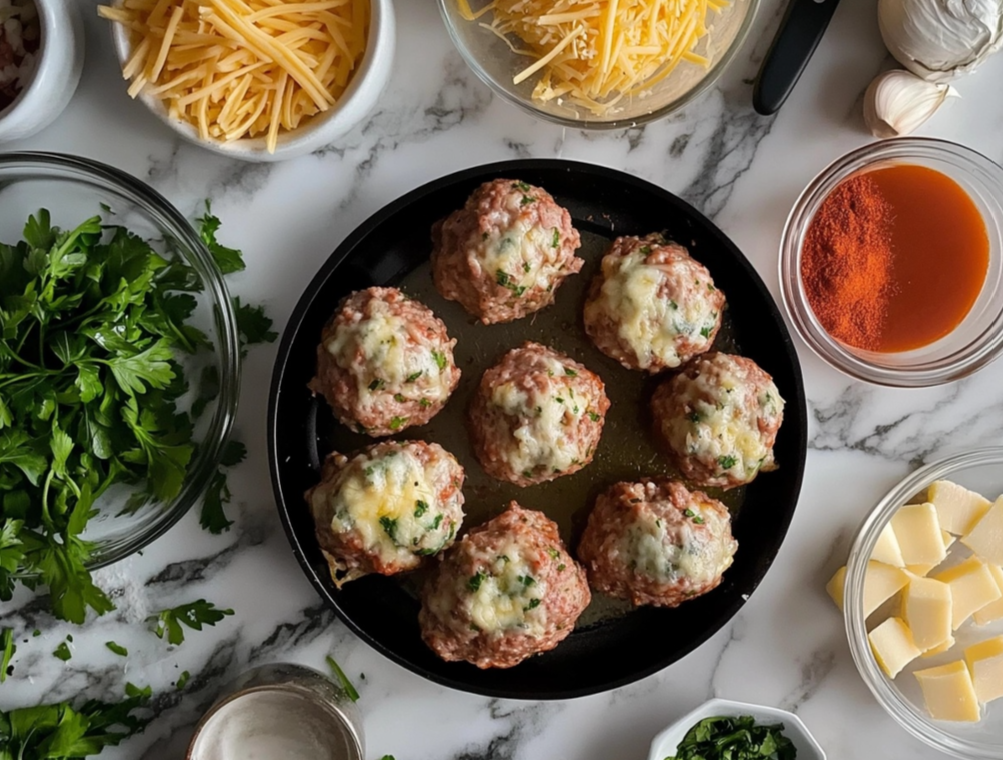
{"type": "Point", "coordinates": [541, 438]}
{"type": "Point", "coordinates": [727, 431]}
{"type": "Point", "coordinates": [241, 68]}
{"type": "Point", "coordinates": [395, 359]}
{"type": "Point", "coordinates": [509, 596]}
{"type": "Point", "coordinates": [390, 502]}
{"type": "Point", "coordinates": [671, 552]}
{"type": "Point", "coordinates": [649, 322]}
{"type": "Point", "coordinates": [594, 53]}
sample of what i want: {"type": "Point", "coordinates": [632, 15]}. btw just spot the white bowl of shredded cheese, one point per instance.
{"type": "Point", "coordinates": [254, 80]}
{"type": "Point", "coordinates": [590, 65]}
{"type": "Point", "coordinates": [41, 57]}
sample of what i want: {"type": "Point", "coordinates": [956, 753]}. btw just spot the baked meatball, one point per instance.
{"type": "Point", "coordinates": [651, 306]}
{"type": "Point", "coordinates": [719, 418]}
{"type": "Point", "coordinates": [537, 415]}
{"type": "Point", "coordinates": [505, 253]}
{"type": "Point", "coordinates": [656, 542]}
{"type": "Point", "coordinates": [385, 362]}
{"type": "Point", "coordinates": [386, 508]}
{"type": "Point", "coordinates": [507, 591]}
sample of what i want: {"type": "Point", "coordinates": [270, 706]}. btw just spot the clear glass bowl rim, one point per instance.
{"type": "Point", "coordinates": [60, 166]}
{"type": "Point", "coordinates": [713, 75]}
{"type": "Point", "coordinates": [855, 620]}
{"type": "Point", "coordinates": [977, 353]}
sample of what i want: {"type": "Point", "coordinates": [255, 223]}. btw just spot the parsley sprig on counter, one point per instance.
{"type": "Point", "coordinates": [739, 738]}
{"type": "Point", "coordinates": [60, 732]}
{"type": "Point", "coordinates": [194, 615]}
{"type": "Point", "coordinates": [93, 326]}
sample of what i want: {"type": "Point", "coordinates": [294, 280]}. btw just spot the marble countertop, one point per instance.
{"type": "Point", "coordinates": [786, 647]}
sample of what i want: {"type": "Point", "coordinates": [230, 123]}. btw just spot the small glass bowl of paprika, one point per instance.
{"type": "Point", "coordinates": [891, 262]}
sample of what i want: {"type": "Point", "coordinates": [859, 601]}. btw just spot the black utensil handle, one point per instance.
{"type": "Point", "coordinates": [800, 32]}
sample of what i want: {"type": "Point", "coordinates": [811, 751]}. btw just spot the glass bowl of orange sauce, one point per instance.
{"type": "Point", "coordinates": [891, 262]}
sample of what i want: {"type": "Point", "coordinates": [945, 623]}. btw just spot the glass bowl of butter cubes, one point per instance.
{"type": "Point", "coordinates": [922, 594]}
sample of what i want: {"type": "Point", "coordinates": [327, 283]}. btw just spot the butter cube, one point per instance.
{"type": "Point", "coordinates": [985, 663]}
{"type": "Point", "coordinates": [972, 588]}
{"type": "Point", "coordinates": [893, 646]}
{"type": "Point", "coordinates": [925, 569]}
{"type": "Point", "coordinates": [957, 508]}
{"type": "Point", "coordinates": [881, 583]}
{"type": "Point", "coordinates": [993, 610]}
{"type": "Point", "coordinates": [949, 692]}
{"type": "Point", "coordinates": [887, 548]}
{"type": "Point", "coordinates": [941, 649]}
{"type": "Point", "coordinates": [917, 529]}
{"type": "Point", "coordinates": [926, 608]}
{"type": "Point", "coordinates": [986, 538]}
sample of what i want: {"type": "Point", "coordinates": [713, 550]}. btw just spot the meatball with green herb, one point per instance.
{"type": "Point", "coordinates": [505, 592]}
{"type": "Point", "coordinates": [385, 362]}
{"type": "Point", "coordinates": [505, 253]}
{"type": "Point", "coordinates": [387, 508]}
{"type": "Point", "coordinates": [656, 542]}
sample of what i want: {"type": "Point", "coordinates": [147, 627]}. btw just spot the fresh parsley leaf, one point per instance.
{"type": "Point", "coordinates": [183, 680]}
{"type": "Point", "coordinates": [253, 325]}
{"type": "Point", "coordinates": [194, 615]}
{"type": "Point", "coordinates": [213, 515]}
{"type": "Point", "coordinates": [727, 462]}
{"type": "Point", "coordinates": [229, 260]}
{"type": "Point", "coordinates": [475, 581]}
{"type": "Point", "coordinates": [557, 238]}
{"type": "Point", "coordinates": [523, 187]}
{"type": "Point", "coordinates": [376, 384]}
{"type": "Point", "coordinates": [705, 331]}
{"type": "Point", "coordinates": [397, 422]}
{"type": "Point", "coordinates": [7, 642]}
{"type": "Point", "coordinates": [440, 359]}
{"type": "Point", "coordinates": [594, 416]}
{"type": "Point", "coordinates": [533, 604]}
{"type": "Point", "coordinates": [420, 508]}
{"type": "Point", "coordinates": [118, 649]}
{"type": "Point", "coordinates": [389, 526]}
{"type": "Point", "coordinates": [415, 375]}
{"type": "Point", "coordinates": [570, 372]}
{"type": "Point", "coordinates": [62, 652]}
{"type": "Point", "coordinates": [343, 679]}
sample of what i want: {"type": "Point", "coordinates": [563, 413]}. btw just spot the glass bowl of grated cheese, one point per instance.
{"type": "Point", "coordinates": [599, 65]}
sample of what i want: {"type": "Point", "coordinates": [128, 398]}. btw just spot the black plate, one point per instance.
{"type": "Point", "coordinates": [619, 649]}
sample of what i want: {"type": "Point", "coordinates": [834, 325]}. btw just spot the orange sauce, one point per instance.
{"type": "Point", "coordinates": [941, 255]}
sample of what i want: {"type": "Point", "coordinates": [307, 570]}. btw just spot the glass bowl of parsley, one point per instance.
{"type": "Point", "coordinates": [119, 372]}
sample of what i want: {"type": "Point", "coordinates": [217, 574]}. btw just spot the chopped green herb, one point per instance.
{"type": "Point", "coordinates": [527, 473]}
{"type": "Point", "coordinates": [526, 267]}
{"type": "Point", "coordinates": [420, 508]}
{"type": "Point", "coordinates": [727, 462]}
{"type": "Point", "coordinates": [399, 398]}
{"type": "Point", "coordinates": [194, 615]}
{"type": "Point", "coordinates": [645, 249]}
{"type": "Point", "coordinates": [533, 604]}
{"type": "Point", "coordinates": [36, 633]}
{"type": "Point", "coordinates": [183, 680]}
{"type": "Point", "coordinates": [389, 526]}
{"type": "Point", "coordinates": [440, 359]}
{"type": "Point", "coordinates": [711, 287]}
{"type": "Point", "coordinates": [437, 522]}
{"type": "Point", "coordinates": [735, 738]}
{"type": "Point", "coordinates": [570, 372]}
{"type": "Point", "coordinates": [502, 278]}
{"type": "Point", "coordinates": [343, 679]}
{"type": "Point", "coordinates": [118, 649]}
{"type": "Point", "coordinates": [706, 331]}
{"type": "Point", "coordinates": [376, 384]}
{"type": "Point", "coordinates": [526, 199]}
{"type": "Point", "coordinates": [475, 581]}
{"type": "Point", "coordinates": [698, 520]}
{"type": "Point", "coordinates": [9, 648]}
{"type": "Point", "coordinates": [424, 403]}
{"type": "Point", "coordinates": [557, 238]}
{"type": "Point", "coordinates": [594, 417]}
{"type": "Point", "coordinates": [558, 399]}
{"type": "Point", "coordinates": [554, 554]}
{"type": "Point", "coordinates": [560, 567]}
{"type": "Point", "coordinates": [689, 512]}
{"type": "Point", "coordinates": [413, 376]}
{"type": "Point", "coordinates": [693, 417]}
{"type": "Point", "coordinates": [397, 422]}
{"type": "Point", "coordinates": [522, 186]}
{"type": "Point", "coordinates": [673, 304]}
{"type": "Point", "coordinates": [526, 580]}
{"type": "Point", "coordinates": [62, 652]}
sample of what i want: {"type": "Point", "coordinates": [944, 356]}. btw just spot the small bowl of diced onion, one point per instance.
{"type": "Point", "coordinates": [255, 80]}
{"type": "Point", "coordinates": [577, 65]}
{"type": "Point", "coordinates": [41, 57]}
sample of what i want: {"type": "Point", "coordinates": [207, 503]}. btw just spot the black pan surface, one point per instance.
{"type": "Point", "coordinates": [611, 646]}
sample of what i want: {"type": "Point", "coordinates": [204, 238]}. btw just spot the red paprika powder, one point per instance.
{"type": "Point", "coordinates": [846, 262]}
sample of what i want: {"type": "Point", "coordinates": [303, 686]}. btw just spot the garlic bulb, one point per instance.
{"type": "Point", "coordinates": [940, 39]}
{"type": "Point", "coordinates": [898, 102]}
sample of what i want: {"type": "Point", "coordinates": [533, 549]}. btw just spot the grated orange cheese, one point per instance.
{"type": "Point", "coordinates": [594, 53]}
{"type": "Point", "coordinates": [242, 68]}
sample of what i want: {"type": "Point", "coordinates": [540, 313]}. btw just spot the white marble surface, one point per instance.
{"type": "Point", "coordinates": [785, 648]}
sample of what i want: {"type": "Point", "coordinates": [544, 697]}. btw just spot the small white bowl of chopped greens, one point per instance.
{"type": "Point", "coordinates": [119, 372]}
{"type": "Point", "coordinates": [722, 728]}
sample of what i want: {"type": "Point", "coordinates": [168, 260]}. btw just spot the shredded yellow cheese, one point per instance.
{"type": "Point", "coordinates": [242, 68]}
{"type": "Point", "coordinates": [594, 53]}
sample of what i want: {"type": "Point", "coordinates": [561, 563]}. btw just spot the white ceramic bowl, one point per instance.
{"type": "Point", "coordinates": [321, 130]}
{"type": "Point", "coordinates": [667, 742]}
{"type": "Point", "coordinates": [57, 72]}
